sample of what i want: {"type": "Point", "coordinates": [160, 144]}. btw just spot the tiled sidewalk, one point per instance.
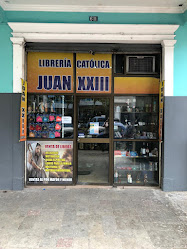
{"type": "Point", "coordinates": [94, 218]}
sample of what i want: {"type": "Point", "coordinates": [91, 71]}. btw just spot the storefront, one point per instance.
{"type": "Point", "coordinates": [95, 103]}
{"type": "Point", "coordinates": [93, 115]}
{"type": "Point", "coordinates": [109, 119]}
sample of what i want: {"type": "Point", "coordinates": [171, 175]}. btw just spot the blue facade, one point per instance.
{"type": "Point", "coordinates": [174, 169]}
{"type": "Point", "coordinates": [180, 62]}
{"type": "Point", "coordinates": [180, 52]}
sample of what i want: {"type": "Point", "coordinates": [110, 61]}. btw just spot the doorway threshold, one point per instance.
{"type": "Point", "coordinates": [92, 186]}
{"type": "Point", "coordinates": [78, 186]}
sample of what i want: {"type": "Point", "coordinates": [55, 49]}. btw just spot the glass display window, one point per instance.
{"type": "Point", "coordinates": [50, 116]}
{"type": "Point", "coordinates": [136, 117]}
{"type": "Point", "coordinates": [93, 117]}
{"type": "Point", "coordinates": [136, 163]}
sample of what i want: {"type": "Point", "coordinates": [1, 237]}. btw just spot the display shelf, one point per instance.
{"type": "Point", "coordinates": [145, 140]}
{"type": "Point", "coordinates": [137, 125]}
{"type": "Point", "coordinates": [134, 183]}
{"type": "Point", "coordinates": [123, 181]}
{"type": "Point", "coordinates": [137, 170]}
{"type": "Point", "coordinates": [144, 162]}
{"type": "Point", "coordinates": [136, 139]}
{"type": "Point", "coordinates": [49, 139]}
{"type": "Point", "coordinates": [137, 117]}
{"type": "Point", "coordinates": [145, 157]}
{"type": "Point", "coordinates": [152, 113]}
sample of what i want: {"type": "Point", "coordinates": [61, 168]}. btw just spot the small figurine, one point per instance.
{"type": "Point", "coordinates": [116, 176]}
{"type": "Point", "coordinates": [151, 166]}
{"type": "Point", "coordinates": [29, 109]}
{"type": "Point", "coordinates": [33, 106]}
{"type": "Point", "coordinates": [138, 178]}
{"type": "Point", "coordinates": [129, 178]}
{"type": "Point", "coordinates": [127, 153]}
{"type": "Point", "coordinates": [45, 105]}
{"type": "Point", "coordinates": [145, 179]}
{"type": "Point", "coordinates": [156, 166]}
{"type": "Point", "coordinates": [41, 107]}
{"type": "Point", "coordinates": [52, 106]}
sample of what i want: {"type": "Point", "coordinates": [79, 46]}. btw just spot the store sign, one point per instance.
{"type": "Point", "coordinates": [49, 162]}
{"type": "Point", "coordinates": [93, 73]}
{"type": "Point", "coordinates": [23, 112]}
{"type": "Point", "coordinates": [161, 110]}
{"type": "Point", "coordinates": [50, 72]}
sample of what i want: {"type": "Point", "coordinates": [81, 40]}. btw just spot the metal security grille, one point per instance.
{"type": "Point", "coordinates": [140, 64]}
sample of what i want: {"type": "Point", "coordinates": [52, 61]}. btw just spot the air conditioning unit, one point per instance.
{"type": "Point", "coordinates": [140, 64]}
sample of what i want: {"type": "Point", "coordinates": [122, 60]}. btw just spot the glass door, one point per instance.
{"type": "Point", "coordinates": [93, 140]}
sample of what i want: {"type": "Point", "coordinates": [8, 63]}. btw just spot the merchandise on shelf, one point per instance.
{"type": "Point", "coordinates": [51, 117]}
{"type": "Point", "coordinates": [135, 159]}
{"type": "Point", "coordinates": [45, 114]}
{"type": "Point", "coordinates": [38, 134]}
{"type": "Point", "coordinates": [45, 118]}
{"type": "Point", "coordinates": [136, 117]}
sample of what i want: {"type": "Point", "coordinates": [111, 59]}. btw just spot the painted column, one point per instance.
{"type": "Point", "coordinates": [168, 65]}
{"type": "Point", "coordinates": [18, 62]}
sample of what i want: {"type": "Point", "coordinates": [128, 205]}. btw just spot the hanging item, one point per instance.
{"type": "Point", "coordinates": [23, 112]}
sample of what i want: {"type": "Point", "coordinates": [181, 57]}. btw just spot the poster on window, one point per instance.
{"type": "Point", "coordinates": [49, 162]}
{"type": "Point", "coordinates": [94, 128]}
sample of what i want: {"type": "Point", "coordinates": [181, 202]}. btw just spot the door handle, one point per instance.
{"type": "Point", "coordinates": [78, 139]}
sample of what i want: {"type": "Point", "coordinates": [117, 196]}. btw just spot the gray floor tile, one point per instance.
{"type": "Point", "coordinates": [81, 218]}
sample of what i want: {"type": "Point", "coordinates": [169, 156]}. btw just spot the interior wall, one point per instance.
{"type": "Point", "coordinates": [6, 60]}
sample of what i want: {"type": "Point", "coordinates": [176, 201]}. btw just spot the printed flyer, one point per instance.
{"type": "Point", "coordinates": [49, 162]}
{"type": "Point", "coordinates": [94, 128]}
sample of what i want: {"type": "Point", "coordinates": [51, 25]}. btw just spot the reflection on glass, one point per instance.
{"type": "Point", "coordinates": [50, 116]}
{"type": "Point", "coordinates": [93, 118]}
{"type": "Point", "coordinates": [136, 117]}
{"type": "Point", "coordinates": [136, 163]}
{"type": "Point", "coordinates": [93, 163]}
